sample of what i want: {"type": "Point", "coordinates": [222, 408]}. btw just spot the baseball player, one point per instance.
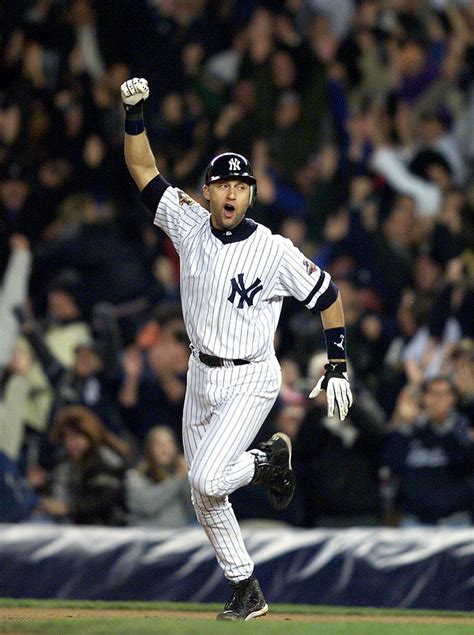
{"type": "Point", "coordinates": [234, 276]}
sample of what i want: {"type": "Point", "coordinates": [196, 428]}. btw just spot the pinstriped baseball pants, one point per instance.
{"type": "Point", "coordinates": [223, 411]}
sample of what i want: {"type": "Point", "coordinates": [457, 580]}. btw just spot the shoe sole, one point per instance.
{"type": "Point", "coordinates": [278, 506]}
{"type": "Point", "coordinates": [284, 437]}
{"type": "Point", "coordinates": [255, 614]}
{"type": "Point", "coordinates": [251, 616]}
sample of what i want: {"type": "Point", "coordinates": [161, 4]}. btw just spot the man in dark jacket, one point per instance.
{"type": "Point", "coordinates": [431, 456]}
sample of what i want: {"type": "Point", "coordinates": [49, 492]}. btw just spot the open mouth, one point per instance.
{"type": "Point", "coordinates": [229, 210]}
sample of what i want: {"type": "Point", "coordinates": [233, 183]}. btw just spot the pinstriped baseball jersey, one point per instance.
{"type": "Point", "coordinates": [232, 290]}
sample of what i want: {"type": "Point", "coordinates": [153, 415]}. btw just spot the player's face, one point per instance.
{"type": "Point", "coordinates": [229, 201]}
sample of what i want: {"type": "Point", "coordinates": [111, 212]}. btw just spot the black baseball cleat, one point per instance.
{"type": "Point", "coordinates": [274, 470]}
{"type": "Point", "coordinates": [247, 602]}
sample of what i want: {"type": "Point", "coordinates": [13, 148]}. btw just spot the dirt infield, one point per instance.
{"type": "Point", "coordinates": [37, 613]}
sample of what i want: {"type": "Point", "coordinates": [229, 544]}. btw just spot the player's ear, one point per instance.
{"type": "Point", "coordinates": [205, 192]}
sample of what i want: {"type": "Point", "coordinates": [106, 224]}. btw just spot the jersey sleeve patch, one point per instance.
{"type": "Point", "coordinates": [309, 266]}
{"type": "Point", "coordinates": [185, 199]}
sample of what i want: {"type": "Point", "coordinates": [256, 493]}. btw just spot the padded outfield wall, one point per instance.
{"type": "Point", "coordinates": [417, 568]}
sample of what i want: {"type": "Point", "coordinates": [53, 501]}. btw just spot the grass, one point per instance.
{"type": "Point", "coordinates": [105, 625]}
{"type": "Point", "coordinates": [117, 626]}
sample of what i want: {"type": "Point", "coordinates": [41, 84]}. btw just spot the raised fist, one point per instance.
{"type": "Point", "coordinates": [134, 90]}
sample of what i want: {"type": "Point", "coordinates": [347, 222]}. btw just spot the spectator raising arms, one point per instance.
{"type": "Point", "coordinates": [13, 292]}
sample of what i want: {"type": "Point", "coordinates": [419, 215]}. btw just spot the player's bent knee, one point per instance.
{"type": "Point", "coordinates": [211, 485]}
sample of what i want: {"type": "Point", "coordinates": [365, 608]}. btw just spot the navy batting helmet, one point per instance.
{"type": "Point", "coordinates": [232, 166]}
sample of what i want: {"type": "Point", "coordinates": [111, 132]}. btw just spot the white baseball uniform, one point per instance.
{"type": "Point", "coordinates": [232, 288]}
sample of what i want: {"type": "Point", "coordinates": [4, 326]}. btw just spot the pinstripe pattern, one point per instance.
{"type": "Point", "coordinates": [215, 325]}
{"type": "Point", "coordinates": [225, 407]}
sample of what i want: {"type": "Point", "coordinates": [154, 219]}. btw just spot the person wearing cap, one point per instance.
{"type": "Point", "coordinates": [234, 275]}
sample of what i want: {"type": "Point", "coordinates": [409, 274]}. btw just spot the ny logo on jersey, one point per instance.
{"type": "Point", "coordinates": [234, 164]}
{"type": "Point", "coordinates": [246, 295]}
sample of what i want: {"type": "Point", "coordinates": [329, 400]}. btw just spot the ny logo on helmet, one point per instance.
{"type": "Point", "coordinates": [246, 294]}
{"type": "Point", "coordinates": [234, 164]}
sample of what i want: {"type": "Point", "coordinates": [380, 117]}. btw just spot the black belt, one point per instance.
{"type": "Point", "coordinates": [218, 362]}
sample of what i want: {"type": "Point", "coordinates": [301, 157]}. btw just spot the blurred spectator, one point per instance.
{"type": "Point", "coordinates": [292, 389]}
{"type": "Point", "coordinates": [390, 163]}
{"type": "Point", "coordinates": [236, 126]}
{"type": "Point", "coordinates": [60, 333]}
{"type": "Point", "coordinates": [412, 315]}
{"type": "Point", "coordinates": [289, 419]}
{"type": "Point", "coordinates": [424, 354]}
{"type": "Point", "coordinates": [430, 456]}
{"type": "Point", "coordinates": [13, 394]}
{"type": "Point", "coordinates": [89, 382]}
{"type": "Point", "coordinates": [451, 233]}
{"type": "Point", "coordinates": [324, 189]}
{"type": "Point", "coordinates": [454, 304]}
{"type": "Point", "coordinates": [16, 214]}
{"type": "Point", "coordinates": [337, 461]}
{"type": "Point", "coordinates": [365, 330]}
{"type": "Point", "coordinates": [153, 387]}
{"type": "Point", "coordinates": [87, 487]}
{"type": "Point", "coordinates": [289, 148]}
{"type": "Point", "coordinates": [86, 53]}
{"type": "Point", "coordinates": [113, 269]}
{"type": "Point", "coordinates": [462, 368]}
{"type": "Point", "coordinates": [13, 292]}
{"type": "Point", "coordinates": [157, 489]}
{"type": "Point", "coordinates": [17, 498]}
{"type": "Point", "coordinates": [65, 326]}
{"type": "Point", "coordinates": [434, 135]}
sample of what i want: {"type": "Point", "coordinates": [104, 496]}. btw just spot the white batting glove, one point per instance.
{"type": "Point", "coordinates": [134, 90]}
{"type": "Point", "coordinates": [338, 391]}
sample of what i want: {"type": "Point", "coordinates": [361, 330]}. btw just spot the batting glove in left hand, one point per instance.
{"type": "Point", "coordinates": [338, 391]}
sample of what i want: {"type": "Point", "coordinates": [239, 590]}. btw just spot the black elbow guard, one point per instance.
{"type": "Point", "coordinates": [153, 191]}
{"type": "Point", "coordinates": [327, 298]}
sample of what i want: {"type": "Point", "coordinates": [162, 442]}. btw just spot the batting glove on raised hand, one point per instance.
{"type": "Point", "coordinates": [338, 391]}
{"type": "Point", "coordinates": [134, 90]}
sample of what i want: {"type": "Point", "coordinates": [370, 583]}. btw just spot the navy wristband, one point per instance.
{"type": "Point", "coordinates": [336, 342]}
{"type": "Point", "coordinates": [134, 121]}
{"type": "Point", "coordinates": [134, 127]}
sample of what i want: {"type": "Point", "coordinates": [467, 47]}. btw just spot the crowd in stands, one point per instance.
{"type": "Point", "coordinates": [358, 117]}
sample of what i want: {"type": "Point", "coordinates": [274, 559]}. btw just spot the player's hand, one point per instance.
{"type": "Point", "coordinates": [134, 90]}
{"type": "Point", "coordinates": [338, 391]}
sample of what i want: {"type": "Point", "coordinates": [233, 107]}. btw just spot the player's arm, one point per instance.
{"type": "Point", "coordinates": [138, 155]}
{"type": "Point", "coordinates": [301, 278]}
{"type": "Point", "coordinates": [335, 380]}
{"type": "Point", "coordinates": [333, 324]}
{"type": "Point", "coordinates": [172, 210]}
